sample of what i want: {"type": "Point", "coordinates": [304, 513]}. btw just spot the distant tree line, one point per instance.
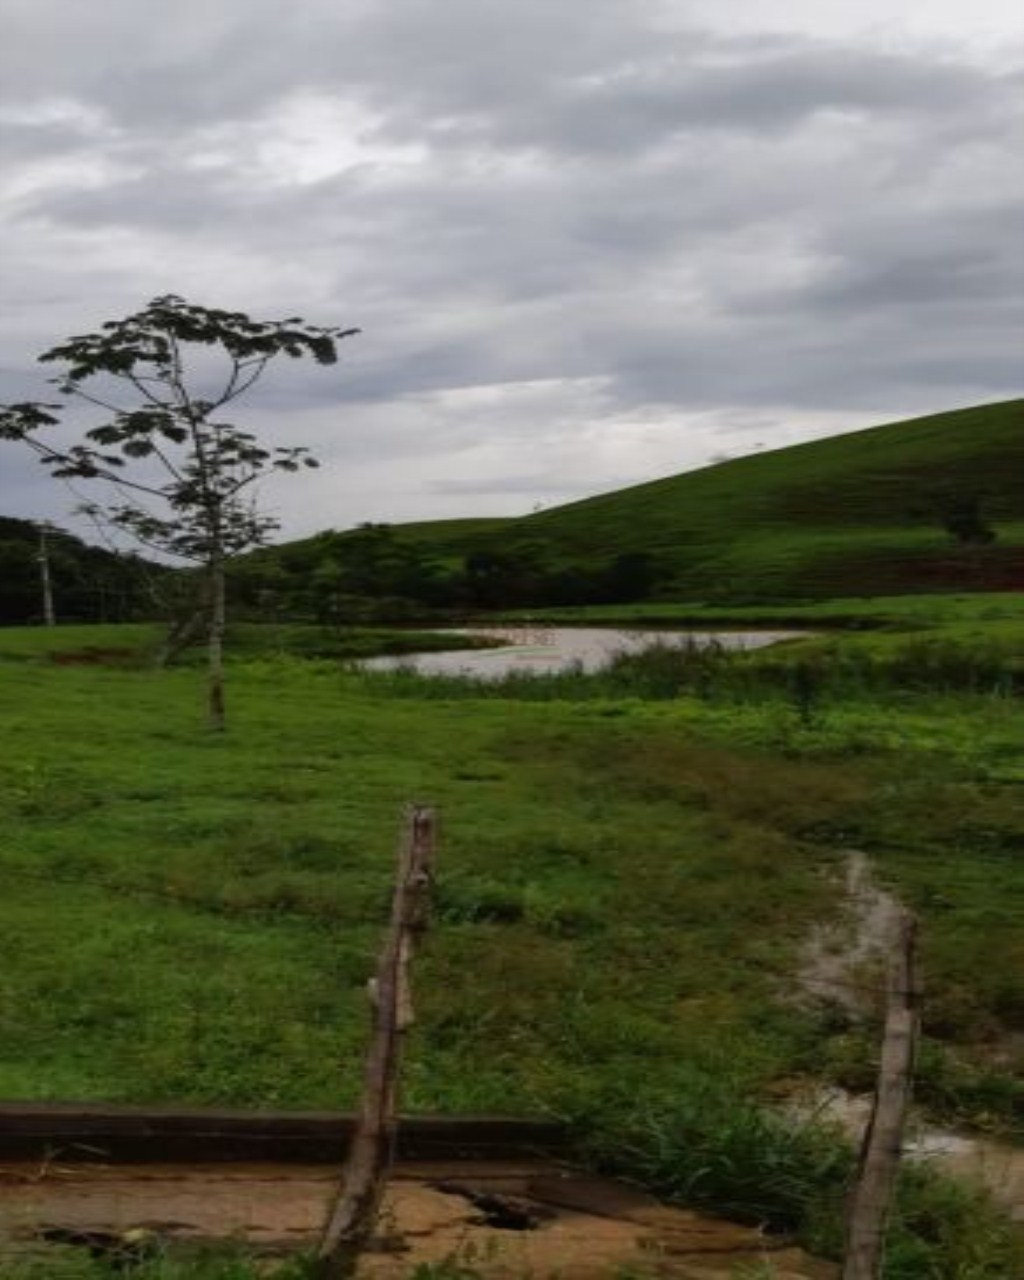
{"type": "Point", "coordinates": [366, 575]}
{"type": "Point", "coordinates": [372, 573]}
{"type": "Point", "coordinates": [90, 584]}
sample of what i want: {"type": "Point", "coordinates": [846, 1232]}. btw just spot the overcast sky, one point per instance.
{"type": "Point", "coordinates": [589, 243]}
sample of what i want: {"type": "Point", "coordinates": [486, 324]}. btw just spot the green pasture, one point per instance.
{"type": "Point", "coordinates": [631, 864]}
{"type": "Point", "coordinates": [137, 644]}
{"type": "Point", "coordinates": [901, 613]}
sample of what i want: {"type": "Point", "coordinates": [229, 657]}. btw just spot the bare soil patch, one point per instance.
{"type": "Point", "coordinates": [505, 1219]}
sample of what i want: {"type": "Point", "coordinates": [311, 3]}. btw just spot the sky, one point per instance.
{"type": "Point", "coordinates": [587, 244]}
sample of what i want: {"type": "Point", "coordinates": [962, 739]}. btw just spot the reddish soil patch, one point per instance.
{"type": "Point", "coordinates": [94, 657]}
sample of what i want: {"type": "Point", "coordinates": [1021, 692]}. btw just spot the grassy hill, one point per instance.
{"type": "Point", "coordinates": [861, 513]}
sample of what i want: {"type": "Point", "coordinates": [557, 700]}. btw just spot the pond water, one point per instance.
{"type": "Point", "coordinates": [543, 650]}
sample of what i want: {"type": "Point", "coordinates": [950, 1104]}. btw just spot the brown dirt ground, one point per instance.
{"type": "Point", "coordinates": [581, 1228]}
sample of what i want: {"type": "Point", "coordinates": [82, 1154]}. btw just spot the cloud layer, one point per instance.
{"type": "Point", "coordinates": [587, 244]}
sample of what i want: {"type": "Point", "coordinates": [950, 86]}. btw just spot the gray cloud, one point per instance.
{"type": "Point", "coordinates": [555, 227]}
{"type": "Point", "coordinates": [639, 108]}
{"type": "Point", "coordinates": [531, 483]}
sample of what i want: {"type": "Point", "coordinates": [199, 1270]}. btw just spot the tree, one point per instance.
{"type": "Point", "coordinates": [631, 576]}
{"type": "Point", "coordinates": [964, 521]}
{"type": "Point", "coordinates": [161, 440]}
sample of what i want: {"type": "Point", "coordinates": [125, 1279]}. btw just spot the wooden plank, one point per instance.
{"type": "Point", "coordinates": [98, 1131]}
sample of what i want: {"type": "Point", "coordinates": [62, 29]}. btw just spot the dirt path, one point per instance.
{"type": "Point", "coordinates": [504, 1219]}
{"type": "Point", "coordinates": [843, 963]}
{"type": "Point", "coordinates": [842, 956]}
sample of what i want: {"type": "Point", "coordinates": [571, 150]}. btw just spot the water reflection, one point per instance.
{"type": "Point", "coordinates": [544, 650]}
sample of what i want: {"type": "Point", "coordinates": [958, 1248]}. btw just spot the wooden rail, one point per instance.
{"type": "Point", "coordinates": [82, 1132]}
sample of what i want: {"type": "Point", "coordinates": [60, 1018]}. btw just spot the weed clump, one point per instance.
{"type": "Point", "coordinates": [708, 1145]}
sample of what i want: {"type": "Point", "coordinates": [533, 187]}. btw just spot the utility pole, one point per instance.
{"type": "Point", "coordinates": [49, 617]}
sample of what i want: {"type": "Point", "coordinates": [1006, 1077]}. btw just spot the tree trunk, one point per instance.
{"type": "Point", "coordinates": [216, 644]}
{"type": "Point", "coordinates": [46, 582]}
{"type": "Point", "coordinates": [181, 633]}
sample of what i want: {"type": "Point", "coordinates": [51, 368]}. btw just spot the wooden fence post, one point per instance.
{"type": "Point", "coordinates": [883, 1141]}
{"type": "Point", "coordinates": [353, 1213]}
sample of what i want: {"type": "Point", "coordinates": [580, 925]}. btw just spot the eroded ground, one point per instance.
{"type": "Point", "coordinates": [506, 1220]}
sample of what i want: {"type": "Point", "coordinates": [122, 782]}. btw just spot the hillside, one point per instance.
{"type": "Point", "coordinates": [864, 513]}
{"type": "Point", "coordinates": [826, 515]}
{"type": "Point", "coordinates": [930, 504]}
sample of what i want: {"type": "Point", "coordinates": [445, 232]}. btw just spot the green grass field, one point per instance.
{"type": "Point", "coordinates": [136, 644]}
{"type": "Point", "coordinates": [962, 614]}
{"type": "Point", "coordinates": [631, 864]}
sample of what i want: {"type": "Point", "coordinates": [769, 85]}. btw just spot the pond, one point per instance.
{"type": "Point", "coordinates": [544, 650]}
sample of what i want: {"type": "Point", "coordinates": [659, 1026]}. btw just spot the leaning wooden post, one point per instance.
{"type": "Point", "coordinates": [883, 1141]}
{"type": "Point", "coordinates": [353, 1213]}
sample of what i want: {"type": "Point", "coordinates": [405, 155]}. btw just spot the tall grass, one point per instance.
{"type": "Point", "coordinates": [707, 1145]}
{"type": "Point", "coordinates": [806, 675]}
